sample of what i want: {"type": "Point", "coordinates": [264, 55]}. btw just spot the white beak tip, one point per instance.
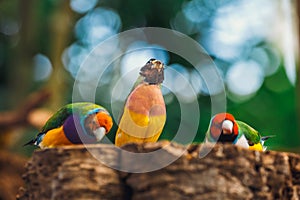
{"type": "Point", "coordinates": [99, 133]}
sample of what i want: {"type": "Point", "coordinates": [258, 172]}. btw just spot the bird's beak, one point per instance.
{"type": "Point", "coordinates": [227, 126]}
{"type": "Point", "coordinates": [99, 133]}
{"type": "Point", "coordinates": [158, 65]}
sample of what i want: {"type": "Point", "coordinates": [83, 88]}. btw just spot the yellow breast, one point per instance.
{"type": "Point", "coordinates": [144, 116]}
{"type": "Point", "coordinates": [55, 137]}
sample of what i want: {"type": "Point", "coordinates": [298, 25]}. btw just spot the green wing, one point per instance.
{"type": "Point", "coordinates": [58, 118]}
{"type": "Point", "coordinates": [250, 133]}
{"type": "Point", "coordinates": [82, 109]}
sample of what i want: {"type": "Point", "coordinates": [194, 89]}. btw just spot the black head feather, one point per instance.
{"type": "Point", "coordinates": [153, 71]}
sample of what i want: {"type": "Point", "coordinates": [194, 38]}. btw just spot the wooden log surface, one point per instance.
{"type": "Point", "coordinates": [227, 172]}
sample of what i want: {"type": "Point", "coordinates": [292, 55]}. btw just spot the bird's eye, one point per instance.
{"type": "Point", "coordinates": [250, 143]}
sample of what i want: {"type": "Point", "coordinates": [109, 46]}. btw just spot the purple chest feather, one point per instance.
{"type": "Point", "coordinates": [75, 133]}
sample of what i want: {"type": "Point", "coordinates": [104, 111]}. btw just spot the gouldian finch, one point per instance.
{"type": "Point", "coordinates": [76, 123]}
{"type": "Point", "coordinates": [144, 112]}
{"type": "Point", "coordinates": [224, 128]}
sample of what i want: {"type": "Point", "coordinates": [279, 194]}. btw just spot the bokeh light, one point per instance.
{"type": "Point", "coordinates": [230, 31]}
{"type": "Point", "coordinates": [82, 6]}
{"type": "Point", "coordinates": [93, 28]}
{"type": "Point", "coordinates": [42, 67]}
{"type": "Point", "coordinates": [73, 56]}
{"type": "Point", "coordinates": [196, 11]}
{"type": "Point", "coordinates": [177, 79]}
{"type": "Point", "coordinates": [244, 78]}
{"type": "Point", "coordinates": [97, 25]}
{"type": "Point", "coordinates": [268, 59]}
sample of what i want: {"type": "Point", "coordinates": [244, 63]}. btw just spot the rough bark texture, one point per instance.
{"type": "Point", "coordinates": [227, 172]}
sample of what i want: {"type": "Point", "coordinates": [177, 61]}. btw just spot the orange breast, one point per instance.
{"type": "Point", "coordinates": [144, 116]}
{"type": "Point", "coordinates": [146, 99]}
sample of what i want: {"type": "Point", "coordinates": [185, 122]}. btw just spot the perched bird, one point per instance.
{"type": "Point", "coordinates": [225, 129]}
{"type": "Point", "coordinates": [76, 123]}
{"type": "Point", "coordinates": [144, 113]}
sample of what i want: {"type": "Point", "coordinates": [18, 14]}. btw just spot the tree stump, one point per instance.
{"type": "Point", "coordinates": [226, 172]}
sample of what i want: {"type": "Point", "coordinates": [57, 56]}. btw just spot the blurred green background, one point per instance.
{"type": "Point", "coordinates": [253, 44]}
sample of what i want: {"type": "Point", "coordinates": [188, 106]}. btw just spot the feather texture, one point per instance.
{"type": "Point", "coordinates": [241, 134]}
{"type": "Point", "coordinates": [144, 113]}
{"type": "Point", "coordinates": [74, 123]}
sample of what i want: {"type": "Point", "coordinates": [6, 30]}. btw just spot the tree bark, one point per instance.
{"type": "Point", "coordinates": [227, 172]}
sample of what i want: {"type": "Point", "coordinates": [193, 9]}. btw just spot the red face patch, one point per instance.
{"type": "Point", "coordinates": [216, 124]}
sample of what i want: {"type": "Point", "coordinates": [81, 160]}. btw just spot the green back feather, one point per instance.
{"type": "Point", "coordinates": [250, 133]}
{"type": "Point", "coordinates": [82, 109]}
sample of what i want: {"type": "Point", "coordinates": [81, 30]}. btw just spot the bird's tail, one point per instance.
{"type": "Point", "coordinates": [31, 142]}
{"type": "Point", "coordinates": [37, 140]}
{"type": "Point", "coordinates": [264, 138]}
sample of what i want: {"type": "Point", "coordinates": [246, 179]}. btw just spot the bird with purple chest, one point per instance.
{"type": "Point", "coordinates": [76, 123]}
